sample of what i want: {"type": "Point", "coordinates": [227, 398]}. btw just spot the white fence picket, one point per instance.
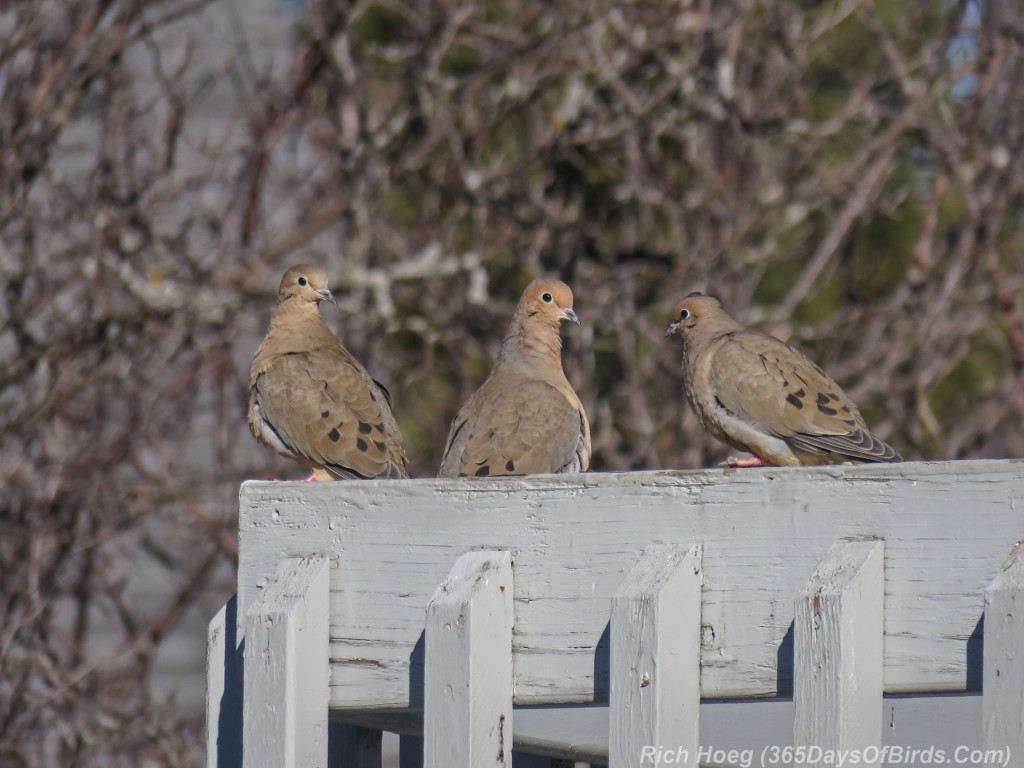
{"type": "Point", "coordinates": [576, 535]}
{"type": "Point", "coordinates": [223, 690]}
{"type": "Point", "coordinates": [655, 658]}
{"type": "Point", "coordinates": [837, 653]}
{"type": "Point", "coordinates": [467, 682]}
{"type": "Point", "coordinates": [284, 714]}
{"type": "Point", "coordinates": [1003, 700]}
{"type": "Point", "coordinates": [573, 539]}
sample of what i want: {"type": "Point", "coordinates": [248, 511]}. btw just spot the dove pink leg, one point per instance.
{"type": "Point", "coordinates": [753, 461]}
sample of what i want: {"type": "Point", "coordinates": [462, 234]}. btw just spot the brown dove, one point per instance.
{"type": "Point", "coordinates": [311, 400]}
{"type": "Point", "coordinates": [759, 395]}
{"type": "Point", "coordinates": [525, 418]}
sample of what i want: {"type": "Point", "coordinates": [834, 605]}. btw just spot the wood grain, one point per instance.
{"type": "Point", "coordinates": [947, 528]}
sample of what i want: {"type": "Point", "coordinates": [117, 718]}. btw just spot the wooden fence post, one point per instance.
{"type": "Point", "coordinates": [837, 654]}
{"type": "Point", "coordinates": [655, 659]}
{"type": "Point", "coordinates": [287, 669]}
{"type": "Point", "coordinates": [223, 690]}
{"type": "Point", "coordinates": [467, 681]}
{"type": "Point", "coordinates": [1003, 682]}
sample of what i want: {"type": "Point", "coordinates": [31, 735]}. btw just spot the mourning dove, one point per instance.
{"type": "Point", "coordinates": [525, 418]}
{"type": "Point", "coordinates": [311, 400]}
{"type": "Point", "coordinates": [759, 395]}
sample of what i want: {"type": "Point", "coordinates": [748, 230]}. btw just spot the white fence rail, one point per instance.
{"type": "Point", "coordinates": [820, 589]}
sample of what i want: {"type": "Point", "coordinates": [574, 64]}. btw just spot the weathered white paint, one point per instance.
{"type": "Point", "coordinates": [655, 655]}
{"type": "Point", "coordinates": [946, 526]}
{"type": "Point", "coordinates": [216, 671]}
{"type": "Point", "coordinates": [223, 690]}
{"type": "Point", "coordinates": [284, 712]}
{"type": "Point", "coordinates": [468, 677]}
{"type": "Point", "coordinates": [837, 652]}
{"type": "Point", "coordinates": [1004, 658]}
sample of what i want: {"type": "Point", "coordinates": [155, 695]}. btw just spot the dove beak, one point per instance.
{"type": "Point", "coordinates": [568, 314]}
{"type": "Point", "coordinates": [326, 295]}
{"type": "Point", "coordinates": [672, 328]}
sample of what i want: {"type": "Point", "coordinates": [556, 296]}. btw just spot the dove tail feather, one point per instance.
{"type": "Point", "coordinates": [861, 445]}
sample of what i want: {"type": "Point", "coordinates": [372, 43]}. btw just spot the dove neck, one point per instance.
{"type": "Point", "coordinates": [292, 308]}
{"type": "Point", "coordinates": [539, 347]}
{"type": "Point", "coordinates": [694, 345]}
{"type": "Point", "coordinates": [297, 318]}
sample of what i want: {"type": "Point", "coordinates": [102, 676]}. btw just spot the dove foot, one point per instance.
{"type": "Point", "coordinates": [753, 461]}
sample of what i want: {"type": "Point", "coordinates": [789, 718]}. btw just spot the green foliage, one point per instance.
{"type": "Point", "coordinates": [824, 303]}
{"type": "Point", "coordinates": [460, 59]}
{"type": "Point", "coordinates": [378, 24]}
{"type": "Point", "coordinates": [405, 201]}
{"type": "Point", "coordinates": [875, 264]}
{"type": "Point", "coordinates": [973, 380]}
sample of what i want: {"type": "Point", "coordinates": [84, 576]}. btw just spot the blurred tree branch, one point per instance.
{"type": "Point", "coordinates": [846, 174]}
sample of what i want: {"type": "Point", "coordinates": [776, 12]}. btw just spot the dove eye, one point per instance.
{"type": "Point", "coordinates": [302, 281]}
{"type": "Point", "coordinates": [546, 298]}
{"type": "Point", "coordinates": [683, 314]}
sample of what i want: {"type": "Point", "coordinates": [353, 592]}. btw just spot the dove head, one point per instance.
{"type": "Point", "coordinates": [305, 283]}
{"type": "Point", "coordinates": [696, 311]}
{"type": "Point", "coordinates": [533, 339]}
{"type": "Point", "coordinates": [546, 302]}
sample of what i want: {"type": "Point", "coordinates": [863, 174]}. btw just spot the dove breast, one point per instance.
{"type": "Point", "coordinates": [525, 418]}
{"type": "Point", "coordinates": [311, 400]}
